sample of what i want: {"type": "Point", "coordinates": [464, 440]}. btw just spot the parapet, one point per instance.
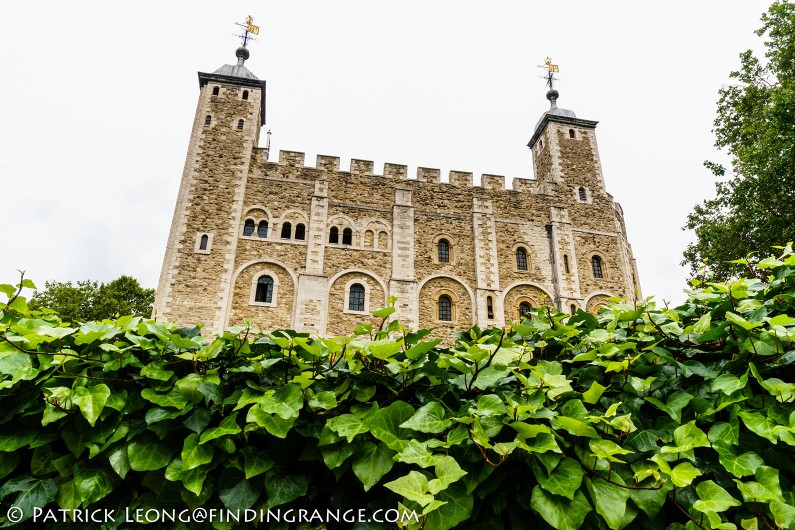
{"type": "Point", "coordinates": [492, 182]}
{"type": "Point", "coordinates": [520, 184]}
{"type": "Point", "coordinates": [291, 158]}
{"type": "Point", "coordinates": [427, 174]}
{"type": "Point", "coordinates": [328, 163]}
{"type": "Point", "coordinates": [460, 178]}
{"type": "Point", "coordinates": [395, 171]}
{"type": "Point", "coordinates": [361, 167]}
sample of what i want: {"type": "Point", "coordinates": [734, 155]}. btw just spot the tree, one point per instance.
{"type": "Point", "coordinates": [87, 300]}
{"type": "Point", "coordinates": [754, 207]}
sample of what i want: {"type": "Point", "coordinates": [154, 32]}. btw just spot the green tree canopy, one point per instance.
{"type": "Point", "coordinates": [87, 300]}
{"type": "Point", "coordinates": [754, 207]}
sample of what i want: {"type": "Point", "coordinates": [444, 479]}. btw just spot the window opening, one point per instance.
{"type": "Point", "coordinates": [287, 230]}
{"type": "Point", "coordinates": [356, 298]}
{"type": "Point", "coordinates": [583, 195]}
{"type": "Point", "coordinates": [573, 309]}
{"type": "Point", "coordinates": [248, 227]}
{"type": "Point", "coordinates": [334, 235]}
{"type": "Point", "coordinates": [208, 120]}
{"type": "Point", "coordinates": [571, 133]}
{"type": "Point", "coordinates": [490, 307]}
{"type": "Point", "coordinates": [203, 242]}
{"type": "Point", "coordinates": [444, 251]}
{"type": "Point", "coordinates": [262, 229]}
{"type": "Point", "coordinates": [445, 308]}
{"type": "Point", "coordinates": [264, 290]}
{"type": "Point", "coordinates": [300, 231]}
{"type": "Point", "coordinates": [521, 259]}
{"type": "Point", "coordinates": [347, 236]}
{"type": "Point", "coordinates": [566, 263]}
{"type": "Point", "coordinates": [596, 264]}
{"type": "Point", "coordinates": [215, 90]}
{"type": "Point", "coordinates": [239, 125]}
{"type": "Point", "coordinates": [245, 94]}
{"type": "Point", "coordinates": [524, 310]}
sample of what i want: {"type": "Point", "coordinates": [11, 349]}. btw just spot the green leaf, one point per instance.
{"type": "Point", "coordinates": [416, 453]}
{"type": "Point", "coordinates": [385, 425]}
{"type": "Point", "coordinates": [323, 400]}
{"type": "Point", "coordinates": [347, 425]}
{"type": "Point", "coordinates": [236, 491]}
{"type": "Point", "coordinates": [593, 394]}
{"type": "Point", "coordinates": [227, 427]}
{"type": "Point", "coordinates": [194, 454]}
{"type": "Point", "coordinates": [456, 509]}
{"type": "Point", "coordinates": [575, 427]}
{"type": "Point", "coordinates": [447, 471]}
{"type": "Point", "coordinates": [783, 514]}
{"type": "Point", "coordinates": [12, 442]}
{"type": "Point", "coordinates": [256, 461]}
{"type": "Point", "coordinates": [275, 425]}
{"type": "Point", "coordinates": [610, 501]}
{"type": "Point", "coordinates": [284, 488]}
{"type": "Point", "coordinates": [683, 474]}
{"type": "Point", "coordinates": [146, 453]}
{"type": "Point", "coordinates": [285, 402]}
{"type": "Point", "coordinates": [739, 466]}
{"type": "Point", "coordinates": [92, 483]}
{"type": "Point", "coordinates": [687, 437]}
{"type": "Point", "coordinates": [117, 456]}
{"type": "Point", "coordinates": [173, 399]}
{"type": "Point", "coordinates": [713, 498]}
{"type": "Point", "coordinates": [413, 487]}
{"type": "Point", "coordinates": [560, 513]}
{"type": "Point", "coordinates": [565, 480]}
{"type": "Point", "coordinates": [335, 455]}
{"type": "Point", "coordinates": [759, 425]}
{"type": "Point", "coordinates": [430, 418]}
{"type": "Point", "coordinates": [91, 401]}
{"type": "Point", "coordinates": [673, 405]}
{"type": "Point", "coordinates": [32, 493]}
{"type": "Point", "coordinates": [373, 462]}
{"type": "Point", "coordinates": [765, 489]}
{"type": "Point", "coordinates": [607, 449]}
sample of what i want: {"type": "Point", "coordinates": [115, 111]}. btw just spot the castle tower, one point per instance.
{"type": "Point", "coordinates": [197, 268]}
{"type": "Point", "coordinates": [586, 231]}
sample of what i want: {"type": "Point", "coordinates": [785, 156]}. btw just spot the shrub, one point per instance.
{"type": "Point", "coordinates": [641, 416]}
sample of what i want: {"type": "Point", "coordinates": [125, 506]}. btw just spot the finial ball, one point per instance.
{"type": "Point", "coordinates": [552, 95]}
{"type": "Point", "coordinates": [242, 53]}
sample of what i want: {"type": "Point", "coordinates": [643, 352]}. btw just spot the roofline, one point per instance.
{"type": "Point", "coordinates": [205, 78]}
{"type": "Point", "coordinates": [547, 117]}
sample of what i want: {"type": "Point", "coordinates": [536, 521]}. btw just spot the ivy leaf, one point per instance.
{"type": "Point", "coordinates": [686, 438]}
{"type": "Point", "coordinates": [256, 461]}
{"type": "Point", "coordinates": [413, 487]}
{"type": "Point", "coordinates": [609, 500]}
{"type": "Point", "coordinates": [430, 418]}
{"type": "Point", "coordinates": [575, 427]}
{"type": "Point", "coordinates": [565, 480]}
{"type": "Point", "coordinates": [146, 453]}
{"type": "Point", "coordinates": [447, 471]}
{"type": "Point", "coordinates": [31, 493]}
{"type": "Point", "coordinates": [456, 509]}
{"type": "Point", "coordinates": [713, 498]}
{"type": "Point", "coordinates": [374, 461]}
{"type": "Point", "coordinates": [285, 402]}
{"type": "Point", "coordinates": [91, 401]}
{"type": "Point", "coordinates": [683, 474]}
{"type": "Point", "coordinates": [235, 491]}
{"type": "Point", "coordinates": [416, 453]}
{"type": "Point", "coordinates": [593, 394]}
{"type": "Point", "coordinates": [227, 427]}
{"type": "Point", "coordinates": [607, 449]}
{"type": "Point", "coordinates": [347, 425]}
{"type": "Point", "coordinates": [282, 489]}
{"type": "Point", "coordinates": [194, 454]}
{"type": "Point", "coordinates": [385, 425]}
{"type": "Point", "coordinates": [92, 483]}
{"type": "Point", "coordinates": [673, 405]}
{"type": "Point", "coordinates": [766, 488]}
{"type": "Point", "coordinates": [560, 513]}
{"type": "Point", "coordinates": [173, 399]}
{"type": "Point", "coordinates": [739, 466]}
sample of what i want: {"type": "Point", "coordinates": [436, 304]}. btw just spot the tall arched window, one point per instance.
{"type": "Point", "coordinates": [489, 307]}
{"type": "Point", "coordinates": [262, 229]}
{"type": "Point", "coordinates": [566, 263]}
{"type": "Point", "coordinates": [203, 242]}
{"type": "Point", "coordinates": [215, 90]}
{"type": "Point", "coordinates": [571, 133]}
{"type": "Point", "coordinates": [583, 194]}
{"type": "Point", "coordinates": [208, 120]}
{"type": "Point", "coordinates": [443, 249]}
{"type": "Point", "coordinates": [240, 125]}
{"type": "Point", "coordinates": [287, 230]}
{"type": "Point", "coordinates": [347, 236]}
{"type": "Point", "coordinates": [596, 265]}
{"type": "Point", "coordinates": [300, 231]}
{"type": "Point", "coordinates": [248, 227]}
{"type": "Point", "coordinates": [356, 298]}
{"type": "Point", "coordinates": [573, 309]}
{"type": "Point", "coordinates": [245, 94]}
{"type": "Point", "coordinates": [445, 308]}
{"type": "Point", "coordinates": [521, 259]}
{"type": "Point", "coordinates": [524, 310]}
{"type": "Point", "coordinates": [334, 235]}
{"type": "Point", "coordinates": [264, 289]}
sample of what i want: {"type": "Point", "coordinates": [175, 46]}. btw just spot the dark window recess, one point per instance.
{"type": "Point", "coordinates": [240, 125]}
{"type": "Point", "coordinates": [334, 235]}
{"type": "Point", "coordinates": [445, 308]}
{"type": "Point", "coordinates": [521, 259]}
{"type": "Point", "coordinates": [596, 264]}
{"type": "Point", "coordinates": [444, 251]}
{"type": "Point", "coordinates": [264, 290]}
{"type": "Point", "coordinates": [566, 263]}
{"type": "Point", "coordinates": [300, 231]}
{"type": "Point", "coordinates": [356, 298]}
{"type": "Point", "coordinates": [203, 242]}
{"type": "Point", "coordinates": [208, 120]}
{"type": "Point", "coordinates": [215, 90]}
{"type": "Point", "coordinates": [347, 236]}
{"type": "Point", "coordinates": [524, 310]}
{"type": "Point", "coordinates": [287, 230]}
{"type": "Point", "coordinates": [573, 309]}
{"type": "Point", "coordinates": [262, 229]}
{"type": "Point", "coordinates": [583, 195]}
{"type": "Point", "coordinates": [245, 94]}
{"type": "Point", "coordinates": [248, 227]}
{"type": "Point", "coordinates": [490, 307]}
{"type": "Point", "coordinates": [571, 133]}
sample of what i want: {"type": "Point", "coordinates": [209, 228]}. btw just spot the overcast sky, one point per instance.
{"type": "Point", "coordinates": [99, 98]}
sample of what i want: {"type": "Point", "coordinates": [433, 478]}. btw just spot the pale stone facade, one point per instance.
{"type": "Point", "coordinates": [289, 245]}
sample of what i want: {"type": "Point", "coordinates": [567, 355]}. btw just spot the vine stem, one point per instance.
{"type": "Point", "coordinates": [681, 509]}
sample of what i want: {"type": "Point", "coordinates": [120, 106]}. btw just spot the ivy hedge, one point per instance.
{"type": "Point", "coordinates": [639, 417]}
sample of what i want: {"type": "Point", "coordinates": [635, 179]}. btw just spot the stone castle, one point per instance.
{"type": "Point", "coordinates": [317, 249]}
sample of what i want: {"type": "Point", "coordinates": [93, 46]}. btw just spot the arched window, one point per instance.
{"type": "Point", "coordinates": [215, 90]}
{"type": "Point", "coordinates": [566, 263]}
{"type": "Point", "coordinates": [287, 230]}
{"type": "Point", "coordinates": [203, 242]}
{"type": "Point", "coordinates": [356, 298]}
{"type": "Point", "coordinates": [208, 120]}
{"type": "Point", "coordinates": [521, 259]}
{"type": "Point", "coordinates": [300, 231]}
{"type": "Point", "coordinates": [347, 236]}
{"type": "Point", "coordinates": [571, 133]}
{"type": "Point", "coordinates": [445, 308]}
{"type": "Point", "coordinates": [248, 228]}
{"type": "Point", "coordinates": [573, 309]}
{"type": "Point", "coordinates": [262, 229]}
{"type": "Point", "coordinates": [334, 235]}
{"type": "Point", "coordinates": [524, 310]}
{"type": "Point", "coordinates": [245, 94]}
{"type": "Point", "coordinates": [443, 251]}
{"type": "Point", "coordinates": [264, 289]}
{"type": "Point", "coordinates": [583, 195]}
{"type": "Point", "coordinates": [541, 144]}
{"type": "Point", "coordinates": [240, 125]}
{"type": "Point", "coordinates": [489, 307]}
{"type": "Point", "coordinates": [596, 265]}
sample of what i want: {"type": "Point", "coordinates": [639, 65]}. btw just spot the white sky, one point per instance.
{"type": "Point", "coordinates": [99, 97]}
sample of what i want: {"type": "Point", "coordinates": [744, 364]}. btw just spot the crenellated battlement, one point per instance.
{"type": "Point", "coordinates": [391, 170]}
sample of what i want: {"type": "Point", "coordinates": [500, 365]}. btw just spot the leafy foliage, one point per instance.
{"type": "Point", "coordinates": [87, 300]}
{"type": "Point", "coordinates": [754, 208]}
{"type": "Point", "coordinates": [640, 417]}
